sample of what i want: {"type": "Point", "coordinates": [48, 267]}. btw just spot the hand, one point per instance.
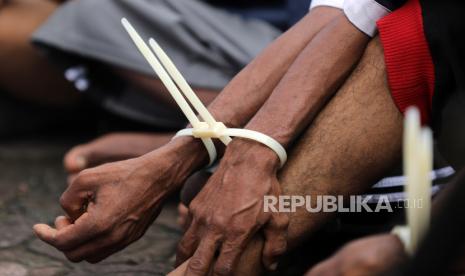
{"type": "Point", "coordinates": [111, 206]}
{"type": "Point", "coordinates": [229, 210]}
{"type": "Point", "coordinates": [369, 256]}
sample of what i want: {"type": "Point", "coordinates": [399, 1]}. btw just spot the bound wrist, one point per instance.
{"type": "Point", "coordinates": [252, 153]}
{"type": "Point", "coordinates": [180, 157]}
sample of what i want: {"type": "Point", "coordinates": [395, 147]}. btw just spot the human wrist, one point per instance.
{"type": "Point", "coordinates": [243, 151]}
{"type": "Point", "coordinates": [180, 157]}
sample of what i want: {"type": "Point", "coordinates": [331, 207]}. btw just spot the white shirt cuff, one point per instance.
{"type": "Point", "coordinates": [329, 3]}
{"type": "Point", "coordinates": [364, 14]}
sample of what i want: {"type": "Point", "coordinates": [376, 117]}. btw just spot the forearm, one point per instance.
{"type": "Point", "coordinates": [247, 92]}
{"type": "Point", "coordinates": [344, 150]}
{"type": "Point", "coordinates": [313, 78]}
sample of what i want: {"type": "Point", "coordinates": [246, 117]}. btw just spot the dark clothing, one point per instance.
{"type": "Point", "coordinates": [392, 4]}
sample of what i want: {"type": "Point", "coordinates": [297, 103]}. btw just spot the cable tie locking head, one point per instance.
{"type": "Point", "coordinates": [204, 130]}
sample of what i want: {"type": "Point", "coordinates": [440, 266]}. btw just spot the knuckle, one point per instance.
{"type": "Point", "coordinates": [64, 201]}
{"type": "Point", "coordinates": [220, 223]}
{"type": "Point", "coordinates": [196, 265]}
{"type": "Point", "coordinates": [199, 218]}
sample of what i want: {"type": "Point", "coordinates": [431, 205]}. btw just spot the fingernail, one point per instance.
{"type": "Point", "coordinates": [81, 162]}
{"type": "Point", "coordinates": [274, 266]}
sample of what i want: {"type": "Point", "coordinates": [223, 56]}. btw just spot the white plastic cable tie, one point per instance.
{"type": "Point", "coordinates": [169, 84]}
{"type": "Point", "coordinates": [418, 163]}
{"type": "Point", "coordinates": [178, 86]}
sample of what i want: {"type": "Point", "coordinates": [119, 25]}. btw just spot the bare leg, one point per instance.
{"type": "Point", "coordinates": [113, 147]}
{"type": "Point", "coordinates": [24, 73]}
{"type": "Point", "coordinates": [352, 143]}
{"type": "Point", "coordinates": [121, 146]}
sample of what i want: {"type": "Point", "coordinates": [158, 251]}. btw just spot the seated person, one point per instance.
{"type": "Point", "coordinates": [342, 125]}
{"type": "Point", "coordinates": [211, 43]}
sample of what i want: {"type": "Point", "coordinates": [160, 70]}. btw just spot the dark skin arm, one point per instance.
{"type": "Point", "coordinates": [246, 93]}
{"type": "Point", "coordinates": [111, 206]}
{"type": "Point", "coordinates": [228, 222]}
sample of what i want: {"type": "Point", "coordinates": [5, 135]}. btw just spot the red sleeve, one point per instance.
{"type": "Point", "coordinates": [409, 64]}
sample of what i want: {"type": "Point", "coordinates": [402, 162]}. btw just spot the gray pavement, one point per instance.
{"type": "Point", "coordinates": [31, 181]}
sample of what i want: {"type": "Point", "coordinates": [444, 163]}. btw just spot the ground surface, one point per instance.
{"type": "Point", "coordinates": [31, 181]}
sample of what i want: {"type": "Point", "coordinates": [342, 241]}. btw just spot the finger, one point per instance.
{"type": "Point", "coordinates": [76, 159]}
{"type": "Point", "coordinates": [70, 179]}
{"type": "Point", "coordinates": [96, 250]}
{"type": "Point", "coordinates": [180, 270]}
{"type": "Point", "coordinates": [200, 263]}
{"type": "Point", "coordinates": [188, 221]}
{"type": "Point", "coordinates": [183, 216]}
{"type": "Point", "coordinates": [45, 233]}
{"type": "Point", "coordinates": [275, 240]}
{"type": "Point", "coordinates": [62, 222]}
{"type": "Point", "coordinates": [188, 244]}
{"type": "Point", "coordinates": [77, 196]}
{"type": "Point", "coordinates": [69, 237]}
{"type": "Point", "coordinates": [105, 253]}
{"type": "Point", "coordinates": [229, 257]}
